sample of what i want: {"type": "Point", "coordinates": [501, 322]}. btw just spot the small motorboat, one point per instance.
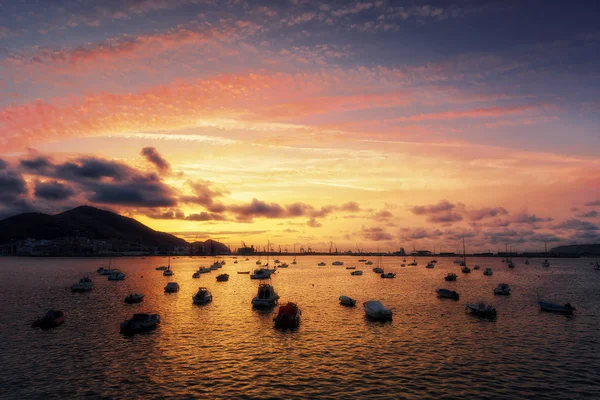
{"type": "Point", "coordinates": [262, 273]}
{"type": "Point", "coordinates": [378, 270]}
{"type": "Point", "coordinates": [337, 263]}
{"type": "Point", "coordinates": [369, 263]}
{"type": "Point", "coordinates": [350, 267]}
{"type": "Point", "coordinates": [265, 297]}
{"type": "Point", "coordinates": [488, 272]}
{"type": "Point", "coordinates": [105, 271]}
{"type": "Point", "coordinates": [247, 259]}
{"type": "Point", "coordinates": [52, 319]}
{"type": "Point", "coordinates": [321, 264]}
{"type": "Point", "coordinates": [134, 298]}
{"type": "Point", "coordinates": [196, 275]}
{"type": "Point", "coordinates": [258, 262]}
{"type": "Point", "coordinates": [243, 272]}
{"type": "Point", "coordinates": [283, 265]}
{"type": "Point", "coordinates": [389, 275]}
{"type": "Point", "coordinates": [357, 272]}
{"type": "Point", "coordinates": [476, 267]}
{"type": "Point", "coordinates": [235, 262]}
{"type": "Point", "coordinates": [116, 275]}
{"type": "Point", "coordinates": [413, 263]}
{"type": "Point", "coordinates": [223, 278]}
{"type": "Point", "coordinates": [347, 301]}
{"type": "Point", "coordinates": [288, 316]}
{"type": "Point", "coordinates": [141, 322]}
{"type": "Point", "coordinates": [161, 268]}
{"type": "Point", "coordinates": [168, 272]}
{"type": "Point", "coordinates": [85, 284]}
{"type": "Point", "coordinates": [204, 270]}
{"type": "Point", "coordinates": [502, 289]}
{"type": "Point", "coordinates": [222, 262]}
{"type": "Point", "coordinates": [374, 309]}
{"type": "Point", "coordinates": [216, 265]}
{"type": "Point", "coordinates": [597, 266]}
{"type": "Point", "coordinates": [557, 308]}
{"type": "Point", "coordinates": [465, 270]}
{"type": "Point", "coordinates": [276, 261]}
{"type": "Point", "coordinates": [362, 260]}
{"type": "Point", "coordinates": [447, 294]}
{"type": "Point", "coordinates": [203, 296]}
{"type": "Point", "coordinates": [450, 277]}
{"type": "Point", "coordinates": [430, 265]}
{"type": "Point", "coordinates": [481, 310]}
{"type": "Point", "coordinates": [545, 263]}
{"type": "Point", "coordinates": [172, 287]}
{"type": "Point", "coordinates": [510, 264]}
{"type": "Point", "coordinates": [403, 265]}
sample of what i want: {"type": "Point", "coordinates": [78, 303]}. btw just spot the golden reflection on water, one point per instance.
{"type": "Point", "coordinates": [228, 349]}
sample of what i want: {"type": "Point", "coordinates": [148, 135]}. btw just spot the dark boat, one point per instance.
{"type": "Point", "coordinates": [52, 319]}
{"type": "Point", "coordinates": [223, 278]}
{"type": "Point", "coordinates": [556, 308]}
{"type": "Point", "coordinates": [481, 310]}
{"type": "Point", "coordinates": [447, 294]}
{"type": "Point", "coordinates": [288, 316]}
{"type": "Point", "coordinates": [140, 323]}
{"type": "Point", "coordinates": [450, 277]}
{"type": "Point", "coordinates": [134, 298]}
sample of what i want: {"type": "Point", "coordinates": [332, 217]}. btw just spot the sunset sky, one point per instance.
{"type": "Point", "coordinates": [371, 124]}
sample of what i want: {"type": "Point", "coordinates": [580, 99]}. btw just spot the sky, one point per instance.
{"type": "Point", "coordinates": [372, 124]}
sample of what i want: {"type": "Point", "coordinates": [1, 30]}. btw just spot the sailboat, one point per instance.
{"type": "Point", "coordinates": [545, 263]}
{"type": "Point", "coordinates": [465, 269]}
{"type": "Point", "coordinates": [168, 271]}
{"type": "Point", "coordinates": [294, 262]}
{"type": "Point", "coordinates": [597, 266]}
{"type": "Point", "coordinates": [264, 272]}
{"type": "Point", "coordinates": [509, 261]}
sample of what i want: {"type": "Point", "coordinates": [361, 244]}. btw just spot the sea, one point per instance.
{"type": "Point", "coordinates": [227, 350]}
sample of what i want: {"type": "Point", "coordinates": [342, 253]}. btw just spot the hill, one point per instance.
{"type": "Point", "coordinates": [578, 249]}
{"type": "Point", "coordinates": [84, 221]}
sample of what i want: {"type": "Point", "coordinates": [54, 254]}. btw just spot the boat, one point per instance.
{"type": "Point", "coordinates": [265, 297]}
{"type": "Point", "coordinates": [222, 262]}
{"type": "Point", "coordinates": [545, 263]}
{"type": "Point", "coordinates": [374, 309]}
{"type": "Point", "coordinates": [258, 262]}
{"type": "Point", "coordinates": [161, 268]}
{"type": "Point", "coordinates": [283, 265]}
{"type": "Point", "coordinates": [134, 298]}
{"type": "Point", "coordinates": [262, 273]}
{"type": "Point", "coordinates": [288, 316]}
{"type": "Point", "coordinates": [557, 308]}
{"type": "Point", "coordinates": [52, 319]}
{"type": "Point", "coordinates": [526, 262]}
{"type": "Point", "coordinates": [337, 263]}
{"type": "Point", "coordinates": [172, 287]}
{"type": "Point", "coordinates": [140, 323]}
{"type": "Point", "coordinates": [378, 270]}
{"type": "Point", "coordinates": [321, 264]}
{"type": "Point", "coordinates": [447, 294]}
{"type": "Point", "coordinates": [204, 270]}
{"type": "Point", "coordinates": [167, 271]}
{"type": "Point", "coordinates": [369, 262]}
{"type": "Point", "coordinates": [362, 260]}
{"type": "Point", "coordinates": [450, 277]}
{"type": "Point", "coordinates": [202, 296]}
{"type": "Point", "coordinates": [404, 259]}
{"type": "Point", "coordinates": [476, 267]}
{"type": "Point", "coordinates": [509, 261]}
{"type": "Point", "coordinates": [357, 272]}
{"type": "Point", "coordinates": [502, 289]}
{"type": "Point", "coordinates": [403, 265]}
{"type": "Point", "coordinates": [85, 284]}
{"type": "Point", "coordinates": [276, 261]}
{"type": "Point", "coordinates": [481, 310]}
{"type": "Point", "coordinates": [488, 272]}
{"type": "Point", "coordinates": [458, 261]}
{"type": "Point", "coordinates": [294, 261]}
{"type": "Point", "coordinates": [223, 278]}
{"type": "Point", "coordinates": [510, 264]}
{"type": "Point", "coordinates": [350, 267]}
{"type": "Point", "coordinates": [235, 262]}
{"type": "Point", "coordinates": [196, 275]}
{"type": "Point", "coordinates": [413, 263]}
{"type": "Point", "coordinates": [108, 270]}
{"type": "Point", "coordinates": [465, 270]}
{"type": "Point", "coordinates": [597, 266]}
{"type": "Point", "coordinates": [215, 265]}
{"type": "Point", "coordinates": [347, 301]}
{"type": "Point", "coordinates": [389, 275]}
{"type": "Point", "coordinates": [430, 265]}
{"type": "Point", "coordinates": [116, 275]}
{"type": "Point", "coordinates": [243, 272]}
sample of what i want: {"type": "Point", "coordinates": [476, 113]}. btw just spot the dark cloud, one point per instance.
{"type": "Point", "coordinates": [313, 223]}
{"type": "Point", "coordinates": [168, 214]}
{"type": "Point", "coordinates": [382, 215]}
{"type": "Point", "coordinates": [92, 168]}
{"type": "Point", "coordinates": [544, 237]}
{"type": "Point", "coordinates": [525, 218]}
{"type": "Point", "coordinates": [448, 217]}
{"type": "Point", "coordinates": [140, 191]}
{"type": "Point", "coordinates": [589, 236]}
{"type": "Point", "coordinates": [153, 157]}
{"type": "Point", "coordinates": [258, 208]}
{"type": "Point", "coordinates": [590, 214]}
{"type": "Point", "coordinates": [13, 194]}
{"type": "Point", "coordinates": [3, 164]}
{"type": "Point", "coordinates": [204, 216]}
{"type": "Point", "coordinates": [203, 194]}
{"type": "Point", "coordinates": [442, 206]}
{"type": "Point", "coordinates": [38, 164]}
{"type": "Point", "coordinates": [350, 207]}
{"type": "Point", "coordinates": [577, 224]}
{"type": "Point", "coordinates": [421, 233]}
{"type": "Point", "coordinates": [478, 215]}
{"type": "Point", "coordinates": [376, 234]}
{"type": "Point", "coordinates": [593, 203]}
{"type": "Point", "coordinates": [52, 191]}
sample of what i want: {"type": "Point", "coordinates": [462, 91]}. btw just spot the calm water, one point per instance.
{"type": "Point", "coordinates": [432, 349]}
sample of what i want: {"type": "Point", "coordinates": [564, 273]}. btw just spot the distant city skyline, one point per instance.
{"type": "Point", "coordinates": [372, 124]}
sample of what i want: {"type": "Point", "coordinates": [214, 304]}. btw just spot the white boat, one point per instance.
{"type": "Point", "coordinates": [557, 308]}
{"type": "Point", "coordinates": [140, 323]}
{"type": "Point", "coordinates": [337, 263]}
{"type": "Point", "coordinates": [262, 273]}
{"type": "Point", "coordinates": [502, 289]}
{"type": "Point", "coordinates": [488, 272]}
{"type": "Point", "coordinates": [357, 272]}
{"type": "Point", "coordinates": [347, 301]}
{"type": "Point", "coordinates": [116, 275]}
{"type": "Point", "coordinates": [265, 297]}
{"type": "Point", "coordinates": [202, 296]}
{"type": "Point", "coordinates": [374, 309]}
{"type": "Point", "coordinates": [85, 284]}
{"type": "Point", "coordinates": [172, 287]}
{"type": "Point", "coordinates": [108, 270]}
{"type": "Point", "coordinates": [447, 294]}
{"type": "Point", "coordinates": [389, 275]}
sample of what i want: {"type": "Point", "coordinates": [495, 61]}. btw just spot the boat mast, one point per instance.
{"type": "Point", "coordinates": [464, 253]}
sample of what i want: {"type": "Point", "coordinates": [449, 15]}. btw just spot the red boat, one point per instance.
{"type": "Point", "coordinates": [52, 319]}
{"type": "Point", "coordinates": [288, 316]}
